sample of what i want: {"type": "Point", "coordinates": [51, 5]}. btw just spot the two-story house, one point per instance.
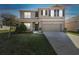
{"type": "Point", "coordinates": [44, 19]}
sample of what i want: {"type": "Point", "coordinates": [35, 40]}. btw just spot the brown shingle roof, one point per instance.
{"type": "Point", "coordinates": [58, 6]}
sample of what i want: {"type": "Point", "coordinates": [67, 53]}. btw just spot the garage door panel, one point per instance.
{"type": "Point", "coordinates": [52, 27]}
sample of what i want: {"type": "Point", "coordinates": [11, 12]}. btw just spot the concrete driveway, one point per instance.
{"type": "Point", "coordinates": [61, 43]}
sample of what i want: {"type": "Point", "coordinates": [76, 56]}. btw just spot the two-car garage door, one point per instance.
{"type": "Point", "coordinates": [52, 27]}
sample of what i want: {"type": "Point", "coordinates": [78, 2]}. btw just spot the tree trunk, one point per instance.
{"type": "Point", "coordinates": [9, 34]}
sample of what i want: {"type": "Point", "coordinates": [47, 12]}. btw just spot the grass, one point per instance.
{"type": "Point", "coordinates": [25, 44]}
{"type": "Point", "coordinates": [4, 31]}
{"type": "Point", "coordinates": [74, 33]}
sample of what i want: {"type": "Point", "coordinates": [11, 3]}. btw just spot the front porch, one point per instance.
{"type": "Point", "coordinates": [32, 26]}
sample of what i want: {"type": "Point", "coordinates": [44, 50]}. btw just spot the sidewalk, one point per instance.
{"type": "Point", "coordinates": [74, 38]}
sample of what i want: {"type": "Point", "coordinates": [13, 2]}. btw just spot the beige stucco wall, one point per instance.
{"type": "Point", "coordinates": [29, 20]}
{"type": "Point", "coordinates": [54, 19]}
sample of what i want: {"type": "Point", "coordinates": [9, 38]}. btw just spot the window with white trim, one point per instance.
{"type": "Point", "coordinates": [28, 25]}
{"type": "Point", "coordinates": [60, 13]}
{"type": "Point", "coordinates": [52, 13]}
{"type": "Point", "coordinates": [44, 12]}
{"type": "Point", "coordinates": [27, 14]}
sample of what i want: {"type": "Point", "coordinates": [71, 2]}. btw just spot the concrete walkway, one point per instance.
{"type": "Point", "coordinates": [61, 43]}
{"type": "Point", "coordinates": [74, 38]}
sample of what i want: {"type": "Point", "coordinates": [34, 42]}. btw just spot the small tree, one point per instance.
{"type": "Point", "coordinates": [17, 28]}
{"type": "Point", "coordinates": [9, 20]}
{"type": "Point", "coordinates": [20, 28]}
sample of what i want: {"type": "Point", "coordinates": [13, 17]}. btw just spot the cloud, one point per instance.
{"type": "Point", "coordinates": [69, 16]}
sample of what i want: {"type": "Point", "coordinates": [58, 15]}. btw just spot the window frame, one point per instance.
{"type": "Point", "coordinates": [55, 12]}
{"type": "Point", "coordinates": [52, 13]}
{"type": "Point", "coordinates": [60, 13]}
{"type": "Point", "coordinates": [27, 14]}
{"type": "Point", "coordinates": [41, 12]}
{"type": "Point", "coordinates": [49, 12]}
{"type": "Point", "coordinates": [45, 12]}
{"type": "Point", "coordinates": [36, 14]}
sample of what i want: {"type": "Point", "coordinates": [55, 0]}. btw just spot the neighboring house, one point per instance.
{"type": "Point", "coordinates": [3, 27]}
{"type": "Point", "coordinates": [72, 24]}
{"type": "Point", "coordinates": [1, 23]}
{"type": "Point", "coordinates": [44, 19]}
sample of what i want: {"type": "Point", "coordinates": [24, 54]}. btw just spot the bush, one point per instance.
{"type": "Point", "coordinates": [65, 29]}
{"type": "Point", "coordinates": [78, 30]}
{"type": "Point", "coordinates": [20, 28]}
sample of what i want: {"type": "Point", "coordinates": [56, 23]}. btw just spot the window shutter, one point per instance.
{"type": "Point", "coordinates": [49, 12]}
{"type": "Point", "coordinates": [55, 13]}
{"type": "Point", "coordinates": [45, 12]}
{"type": "Point", "coordinates": [41, 12]}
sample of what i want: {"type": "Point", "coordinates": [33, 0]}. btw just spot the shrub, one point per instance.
{"type": "Point", "coordinates": [20, 28]}
{"type": "Point", "coordinates": [65, 29]}
{"type": "Point", "coordinates": [78, 30]}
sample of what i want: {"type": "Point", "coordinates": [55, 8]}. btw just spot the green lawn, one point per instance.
{"type": "Point", "coordinates": [28, 43]}
{"type": "Point", "coordinates": [74, 33]}
{"type": "Point", "coordinates": [4, 31]}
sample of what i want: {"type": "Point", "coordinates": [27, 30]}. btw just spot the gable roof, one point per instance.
{"type": "Point", "coordinates": [57, 6]}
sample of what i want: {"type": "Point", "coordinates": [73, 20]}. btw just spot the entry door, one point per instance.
{"type": "Point", "coordinates": [36, 27]}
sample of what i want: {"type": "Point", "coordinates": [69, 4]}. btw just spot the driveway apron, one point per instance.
{"type": "Point", "coordinates": [61, 43]}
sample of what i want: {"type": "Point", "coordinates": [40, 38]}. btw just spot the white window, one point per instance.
{"type": "Point", "coordinates": [52, 13]}
{"type": "Point", "coordinates": [44, 12]}
{"type": "Point", "coordinates": [27, 14]}
{"type": "Point", "coordinates": [61, 13]}
{"type": "Point", "coordinates": [28, 25]}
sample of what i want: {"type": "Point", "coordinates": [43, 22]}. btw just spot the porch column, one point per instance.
{"type": "Point", "coordinates": [31, 26]}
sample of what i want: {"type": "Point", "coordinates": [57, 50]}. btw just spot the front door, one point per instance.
{"type": "Point", "coordinates": [36, 27]}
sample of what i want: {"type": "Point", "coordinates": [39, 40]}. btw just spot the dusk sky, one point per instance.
{"type": "Point", "coordinates": [70, 10]}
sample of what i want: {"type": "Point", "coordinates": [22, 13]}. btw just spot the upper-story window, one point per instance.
{"type": "Point", "coordinates": [60, 13]}
{"type": "Point", "coordinates": [27, 14]}
{"type": "Point", "coordinates": [52, 13]}
{"type": "Point", "coordinates": [44, 12]}
{"type": "Point", "coordinates": [36, 14]}
{"type": "Point", "coordinates": [56, 13]}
